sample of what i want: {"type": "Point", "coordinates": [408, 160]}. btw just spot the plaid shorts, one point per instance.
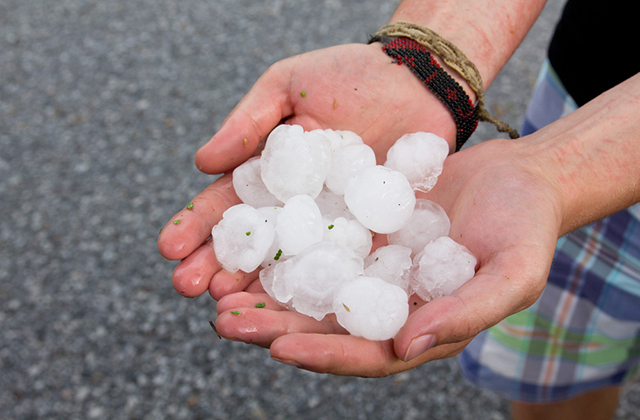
{"type": "Point", "coordinates": [583, 333]}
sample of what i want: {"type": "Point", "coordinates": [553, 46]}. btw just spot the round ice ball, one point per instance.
{"type": "Point", "coordinates": [428, 222]}
{"type": "Point", "coordinates": [346, 162]}
{"type": "Point", "coordinates": [441, 268]}
{"type": "Point", "coordinates": [299, 224]}
{"type": "Point", "coordinates": [249, 186]}
{"type": "Point", "coordinates": [307, 281]}
{"type": "Point", "coordinates": [349, 233]}
{"type": "Point", "coordinates": [242, 238]}
{"type": "Point", "coordinates": [371, 308]}
{"type": "Point", "coordinates": [420, 156]}
{"type": "Point", "coordinates": [391, 263]}
{"type": "Point", "coordinates": [380, 198]}
{"type": "Point", "coordinates": [295, 162]}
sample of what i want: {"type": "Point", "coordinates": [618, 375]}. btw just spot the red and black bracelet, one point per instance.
{"type": "Point", "coordinates": [411, 53]}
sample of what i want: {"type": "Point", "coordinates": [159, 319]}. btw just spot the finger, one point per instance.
{"type": "Point", "coordinates": [262, 326]}
{"type": "Point", "coordinates": [499, 289]}
{"type": "Point", "coordinates": [188, 229]}
{"type": "Point", "coordinates": [248, 300]}
{"type": "Point", "coordinates": [345, 354]}
{"type": "Point", "coordinates": [225, 283]}
{"type": "Point", "coordinates": [192, 277]}
{"type": "Point", "coordinates": [266, 104]}
{"type": "Point", "coordinates": [255, 287]}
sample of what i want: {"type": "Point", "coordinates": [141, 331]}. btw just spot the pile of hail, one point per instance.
{"type": "Point", "coordinates": [310, 205]}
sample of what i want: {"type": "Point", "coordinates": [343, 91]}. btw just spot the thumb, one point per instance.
{"type": "Point", "coordinates": [267, 103]}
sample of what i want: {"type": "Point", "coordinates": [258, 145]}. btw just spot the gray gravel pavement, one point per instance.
{"type": "Point", "coordinates": [102, 107]}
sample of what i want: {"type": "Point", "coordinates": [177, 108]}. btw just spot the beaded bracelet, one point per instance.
{"type": "Point", "coordinates": [409, 43]}
{"type": "Point", "coordinates": [422, 64]}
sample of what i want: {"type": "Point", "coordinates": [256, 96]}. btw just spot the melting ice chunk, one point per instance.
{"type": "Point", "coordinates": [307, 281]}
{"type": "Point", "coordinates": [346, 162]}
{"type": "Point", "coordinates": [349, 233]}
{"type": "Point", "coordinates": [299, 225]}
{"type": "Point", "coordinates": [371, 308]}
{"type": "Point", "coordinates": [242, 238]}
{"type": "Point", "coordinates": [420, 156]}
{"type": "Point", "coordinates": [428, 222]}
{"type": "Point", "coordinates": [441, 268]}
{"type": "Point", "coordinates": [391, 263]}
{"type": "Point", "coordinates": [249, 185]}
{"type": "Point", "coordinates": [295, 162]}
{"type": "Point", "coordinates": [380, 198]}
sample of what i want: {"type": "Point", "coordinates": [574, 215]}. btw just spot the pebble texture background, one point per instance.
{"type": "Point", "coordinates": [102, 107]}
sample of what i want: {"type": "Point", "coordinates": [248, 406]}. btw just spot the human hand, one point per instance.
{"type": "Point", "coordinates": [351, 87]}
{"type": "Point", "coordinates": [502, 208]}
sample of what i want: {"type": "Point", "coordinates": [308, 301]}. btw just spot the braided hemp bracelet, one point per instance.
{"type": "Point", "coordinates": [422, 64]}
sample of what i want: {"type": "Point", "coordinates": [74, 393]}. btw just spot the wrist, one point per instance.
{"type": "Point", "coordinates": [488, 33]}
{"type": "Point", "coordinates": [591, 156]}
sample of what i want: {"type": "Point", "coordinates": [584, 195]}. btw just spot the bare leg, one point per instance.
{"type": "Point", "coordinates": [594, 405]}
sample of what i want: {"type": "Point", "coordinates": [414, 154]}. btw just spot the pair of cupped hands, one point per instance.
{"type": "Point", "coordinates": [501, 206]}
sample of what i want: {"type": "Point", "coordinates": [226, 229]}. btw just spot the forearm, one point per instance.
{"type": "Point", "coordinates": [593, 156]}
{"type": "Point", "coordinates": [488, 32]}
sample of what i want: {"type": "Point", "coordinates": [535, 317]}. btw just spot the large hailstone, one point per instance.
{"type": "Point", "coordinates": [349, 233]}
{"type": "Point", "coordinates": [299, 225]}
{"type": "Point", "coordinates": [441, 268]}
{"type": "Point", "coordinates": [295, 162]}
{"type": "Point", "coordinates": [242, 238]}
{"type": "Point", "coordinates": [346, 162]}
{"type": "Point", "coordinates": [249, 186]}
{"type": "Point", "coordinates": [428, 222]}
{"type": "Point", "coordinates": [380, 198]}
{"type": "Point", "coordinates": [371, 308]}
{"type": "Point", "coordinates": [391, 263]}
{"type": "Point", "coordinates": [308, 281]}
{"type": "Point", "coordinates": [420, 156]}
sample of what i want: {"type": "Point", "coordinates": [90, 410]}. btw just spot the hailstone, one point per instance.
{"type": "Point", "coordinates": [420, 156]}
{"type": "Point", "coordinates": [371, 308]}
{"type": "Point", "coordinates": [441, 268]}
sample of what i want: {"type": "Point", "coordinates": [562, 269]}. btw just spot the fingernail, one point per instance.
{"type": "Point", "coordinates": [288, 362]}
{"type": "Point", "coordinates": [419, 345]}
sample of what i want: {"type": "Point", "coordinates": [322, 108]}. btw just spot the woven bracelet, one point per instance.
{"type": "Point", "coordinates": [408, 44]}
{"type": "Point", "coordinates": [422, 64]}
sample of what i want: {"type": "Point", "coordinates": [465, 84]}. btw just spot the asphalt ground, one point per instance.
{"type": "Point", "coordinates": [102, 107]}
